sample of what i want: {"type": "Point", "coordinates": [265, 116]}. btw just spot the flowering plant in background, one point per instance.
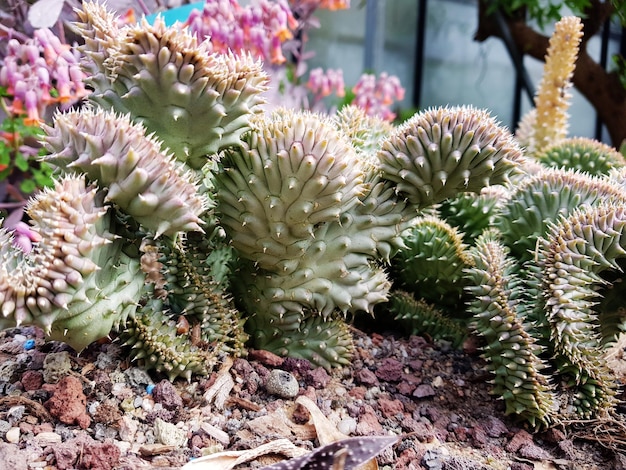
{"type": "Point", "coordinates": [37, 76]}
{"type": "Point", "coordinates": [276, 32]}
{"type": "Point", "coordinates": [376, 94]}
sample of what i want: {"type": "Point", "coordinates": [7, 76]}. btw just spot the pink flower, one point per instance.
{"type": "Point", "coordinates": [376, 95]}
{"type": "Point", "coordinates": [323, 84]}
{"type": "Point", "coordinates": [260, 28]}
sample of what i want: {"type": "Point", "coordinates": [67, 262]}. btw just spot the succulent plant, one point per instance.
{"type": "Point", "coordinates": [539, 199]}
{"type": "Point", "coordinates": [147, 184]}
{"type": "Point", "coordinates": [582, 154]}
{"type": "Point", "coordinates": [512, 352]}
{"type": "Point", "coordinates": [432, 261]}
{"type": "Point", "coordinates": [419, 317]}
{"type": "Point", "coordinates": [75, 282]}
{"type": "Point", "coordinates": [197, 102]}
{"type": "Point", "coordinates": [181, 211]}
{"type": "Point", "coordinates": [316, 218]}
{"type": "Point", "coordinates": [440, 152]}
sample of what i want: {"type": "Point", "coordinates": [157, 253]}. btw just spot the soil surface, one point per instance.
{"type": "Point", "coordinates": [96, 411]}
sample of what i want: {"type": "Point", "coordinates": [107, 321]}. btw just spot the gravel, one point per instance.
{"type": "Point", "coordinates": [96, 411]}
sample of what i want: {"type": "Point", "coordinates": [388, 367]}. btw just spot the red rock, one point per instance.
{"type": "Point", "coordinates": [390, 408]}
{"type": "Point", "coordinates": [521, 438]}
{"type": "Point", "coordinates": [101, 456]}
{"type": "Point", "coordinates": [43, 427]}
{"type": "Point", "coordinates": [409, 459]}
{"type": "Point", "coordinates": [479, 436]}
{"type": "Point", "coordinates": [86, 453]}
{"type": "Point", "coordinates": [32, 380]}
{"type": "Point", "coordinates": [366, 377]}
{"type": "Point", "coordinates": [317, 377]}
{"type": "Point", "coordinates": [389, 370]}
{"type": "Point", "coordinates": [406, 388]}
{"type": "Point", "coordinates": [420, 430]}
{"type": "Point", "coordinates": [532, 451]}
{"type": "Point", "coordinates": [165, 394]}
{"type": "Point", "coordinates": [68, 402]}
{"type": "Point", "coordinates": [358, 393]}
{"type": "Point", "coordinates": [265, 357]}
{"type": "Point", "coordinates": [368, 423]}
{"type": "Point", "coordinates": [495, 427]}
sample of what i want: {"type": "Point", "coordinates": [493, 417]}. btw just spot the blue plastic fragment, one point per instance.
{"type": "Point", "coordinates": [29, 344]}
{"type": "Point", "coordinates": [150, 388]}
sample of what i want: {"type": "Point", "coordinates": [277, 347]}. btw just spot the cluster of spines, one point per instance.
{"type": "Point", "coordinates": [75, 283]}
{"type": "Point", "coordinates": [419, 317]}
{"type": "Point", "coordinates": [157, 342]}
{"type": "Point", "coordinates": [432, 260]}
{"type": "Point", "coordinates": [541, 198]}
{"type": "Point", "coordinates": [324, 342]}
{"type": "Point", "coordinates": [443, 151]}
{"type": "Point", "coordinates": [190, 322]}
{"type": "Point", "coordinates": [196, 101]}
{"type": "Point", "coordinates": [582, 154]}
{"type": "Point", "coordinates": [576, 251]}
{"type": "Point", "coordinates": [142, 180]}
{"type": "Point", "coordinates": [512, 353]}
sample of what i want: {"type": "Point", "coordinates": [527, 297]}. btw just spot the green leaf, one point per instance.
{"type": "Point", "coordinates": [21, 162]}
{"type": "Point", "coordinates": [28, 186]}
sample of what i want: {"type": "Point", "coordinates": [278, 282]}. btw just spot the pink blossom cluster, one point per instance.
{"type": "Point", "coordinates": [376, 95]}
{"type": "Point", "coordinates": [260, 28]}
{"type": "Point", "coordinates": [40, 72]}
{"type": "Point", "coordinates": [323, 84]}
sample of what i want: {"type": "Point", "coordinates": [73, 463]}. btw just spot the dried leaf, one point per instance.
{"type": "Point", "coordinates": [224, 383]}
{"type": "Point", "coordinates": [228, 460]}
{"type": "Point", "coordinates": [327, 432]}
{"type": "Point", "coordinates": [45, 13]}
{"type": "Point", "coordinates": [346, 454]}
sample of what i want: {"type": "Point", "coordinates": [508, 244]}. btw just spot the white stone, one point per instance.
{"type": "Point", "coordinates": [168, 434]}
{"type": "Point", "coordinates": [13, 435]}
{"type": "Point", "coordinates": [47, 438]}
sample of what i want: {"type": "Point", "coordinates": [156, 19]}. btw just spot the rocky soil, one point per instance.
{"type": "Point", "coordinates": [96, 411]}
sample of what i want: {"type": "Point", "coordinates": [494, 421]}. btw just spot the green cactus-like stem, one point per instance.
{"type": "Point", "coordinates": [443, 151]}
{"type": "Point", "coordinates": [155, 343]}
{"type": "Point", "coordinates": [471, 213]}
{"type": "Point", "coordinates": [75, 283]}
{"type": "Point", "coordinates": [292, 172]}
{"type": "Point", "coordinates": [144, 182]}
{"type": "Point", "coordinates": [192, 291]}
{"type": "Point", "coordinates": [419, 317]}
{"type": "Point", "coordinates": [512, 353]}
{"type": "Point", "coordinates": [432, 261]}
{"type": "Point", "coordinates": [582, 154]}
{"type": "Point", "coordinates": [576, 250]}
{"type": "Point", "coordinates": [196, 101]}
{"type": "Point", "coordinates": [325, 343]}
{"type": "Point", "coordinates": [540, 199]}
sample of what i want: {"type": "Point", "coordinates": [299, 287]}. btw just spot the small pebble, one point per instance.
{"type": "Point", "coordinates": [47, 438]}
{"type": "Point", "coordinates": [347, 426]}
{"type": "Point", "coordinates": [13, 435]}
{"type": "Point", "coordinates": [282, 384]}
{"type": "Point", "coordinates": [168, 434]}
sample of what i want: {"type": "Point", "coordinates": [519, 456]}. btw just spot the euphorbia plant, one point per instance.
{"type": "Point", "coordinates": [173, 172]}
